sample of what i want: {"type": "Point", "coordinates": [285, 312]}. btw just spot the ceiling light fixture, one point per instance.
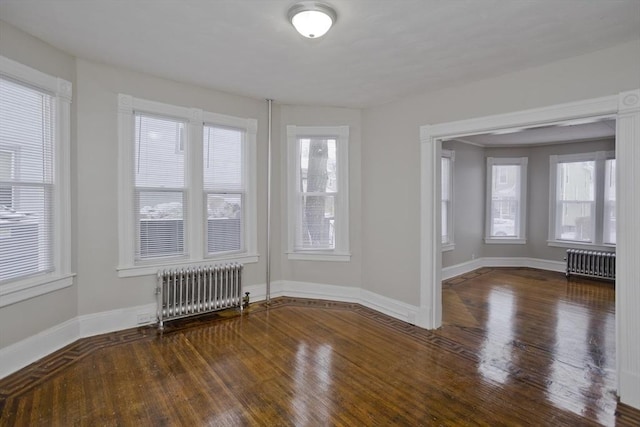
{"type": "Point", "coordinates": [312, 19]}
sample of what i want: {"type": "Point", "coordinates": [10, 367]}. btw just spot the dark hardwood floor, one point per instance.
{"type": "Point", "coordinates": [518, 347]}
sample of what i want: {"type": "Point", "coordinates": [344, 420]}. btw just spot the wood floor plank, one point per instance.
{"type": "Point", "coordinates": [518, 347]}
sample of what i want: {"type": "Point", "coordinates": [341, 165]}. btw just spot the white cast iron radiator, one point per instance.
{"type": "Point", "coordinates": [591, 263]}
{"type": "Point", "coordinates": [185, 292]}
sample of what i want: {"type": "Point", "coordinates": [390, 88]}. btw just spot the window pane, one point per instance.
{"type": "Point", "coordinates": [159, 152]}
{"type": "Point", "coordinates": [503, 220]}
{"type": "Point", "coordinates": [505, 201]}
{"type": "Point", "coordinates": [223, 157]}
{"type": "Point", "coordinates": [576, 181]}
{"type": "Point", "coordinates": [27, 141]}
{"type": "Point", "coordinates": [609, 226]}
{"type": "Point", "coordinates": [445, 222]}
{"type": "Point", "coordinates": [160, 224]}
{"type": "Point", "coordinates": [318, 223]}
{"type": "Point", "coordinates": [318, 165]}
{"type": "Point", "coordinates": [445, 177]}
{"type": "Point", "coordinates": [224, 223]}
{"type": "Point", "coordinates": [576, 201]}
{"type": "Point", "coordinates": [576, 221]}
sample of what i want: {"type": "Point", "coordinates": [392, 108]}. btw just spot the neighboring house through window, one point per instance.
{"type": "Point", "coordinates": [506, 200]}
{"type": "Point", "coordinates": [318, 193]}
{"type": "Point", "coordinates": [191, 176]}
{"type": "Point", "coordinates": [34, 182]}
{"type": "Point", "coordinates": [447, 162]}
{"type": "Point", "coordinates": [582, 199]}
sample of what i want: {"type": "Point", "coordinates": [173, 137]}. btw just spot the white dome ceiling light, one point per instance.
{"type": "Point", "coordinates": [312, 19]}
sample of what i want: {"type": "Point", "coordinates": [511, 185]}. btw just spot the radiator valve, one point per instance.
{"type": "Point", "coordinates": [245, 300]}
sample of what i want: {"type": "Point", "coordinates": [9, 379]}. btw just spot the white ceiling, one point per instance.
{"type": "Point", "coordinates": [549, 134]}
{"type": "Point", "coordinates": [378, 51]}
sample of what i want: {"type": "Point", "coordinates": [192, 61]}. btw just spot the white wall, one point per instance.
{"type": "Point", "coordinates": [26, 318]}
{"type": "Point", "coordinates": [99, 287]}
{"type": "Point", "coordinates": [391, 149]}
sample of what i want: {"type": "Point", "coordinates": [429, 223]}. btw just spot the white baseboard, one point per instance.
{"type": "Point", "coordinates": [21, 354]}
{"type": "Point", "coordinates": [116, 320]}
{"type": "Point", "coordinates": [17, 356]}
{"type": "Point", "coordinates": [390, 307]}
{"type": "Point", "coordinates": [27, 351]}
{"type": "Point", "coordinates": [468, 266]}
{"type": "Point", "coordinates": [462, 268]}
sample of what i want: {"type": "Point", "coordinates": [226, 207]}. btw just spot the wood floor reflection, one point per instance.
{"type": "Point", "coordinates": [519, 347]}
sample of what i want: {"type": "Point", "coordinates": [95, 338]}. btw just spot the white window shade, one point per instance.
{"type": "Point", "coordinates": [27, 149]}
{"type": "Point", "coordinates": [224, 187]}
{"type": "Point", "coordinates": [159, 181]}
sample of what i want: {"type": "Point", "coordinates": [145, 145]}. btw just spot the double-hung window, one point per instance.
{"type": "Point", "coordinates": [34, 182]}
{"type": "Point", "coordinates": [447, 160]}
{"type": "Point", "coordinates": [187, 187]}
{"type": "Point", "coordinates": [582, 199]}
{"type": "Point", "coordinates": [224, 188]}
{"type": "Point", "coordinates": [160, 187]}
{"type": "Point", "coordinates": [506, 200]}
{"type": "Point", "coordinates": [318, 183]}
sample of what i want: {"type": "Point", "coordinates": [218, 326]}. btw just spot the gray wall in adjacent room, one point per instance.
{"type": "Point", "coordinates": [469, 199]}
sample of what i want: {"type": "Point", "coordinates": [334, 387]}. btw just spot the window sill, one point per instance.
{"type": "Point", "coordinates": [504, 241]}
{"type": "Point", "coordinates": [319, 256]}
{"type": "Point", "coordinates": [152, 269]}
{"type": "Point", "coordinates": [12, 293]}
{"type": "Point", "coordinates": [579, 245]}
{"type": "Point", "coordinates": [446, 247]}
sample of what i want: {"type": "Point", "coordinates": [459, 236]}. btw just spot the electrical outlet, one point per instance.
{"type": "Point", "coordinates": [144, 318]}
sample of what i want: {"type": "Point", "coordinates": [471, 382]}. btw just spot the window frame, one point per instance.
{"type": "Point", "coordinates": [340, 252]}
{"type": "Point", "coordinates": [61, 276]}
{"type": "Point", "coordinates": [449, 245]}
{"type": "Point", "coordinates": [196, 253]}
{"type": "Point", "coordinates": [521, 238]}
{"type": "Point", "coordinates": [599, 158]}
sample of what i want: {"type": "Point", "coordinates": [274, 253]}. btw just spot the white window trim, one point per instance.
{"type": "Point", "coordinates": [61, 277]}
{"type": "Point", "coordinates": [521, 239]}
{"type": "Point", "coordinates": [450, 245]}
{"type": "Point", "coordinates": [341, 252]}
{"type": "Point", "coordinates": [195, 118]}
{"type": "Point", "coordinates": [599, 157]}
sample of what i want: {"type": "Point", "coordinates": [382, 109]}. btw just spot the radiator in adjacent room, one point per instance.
{"type": "Point", "coordinates": [591, 263]}
{"type": "Point", "coordinates": [189, 291]}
